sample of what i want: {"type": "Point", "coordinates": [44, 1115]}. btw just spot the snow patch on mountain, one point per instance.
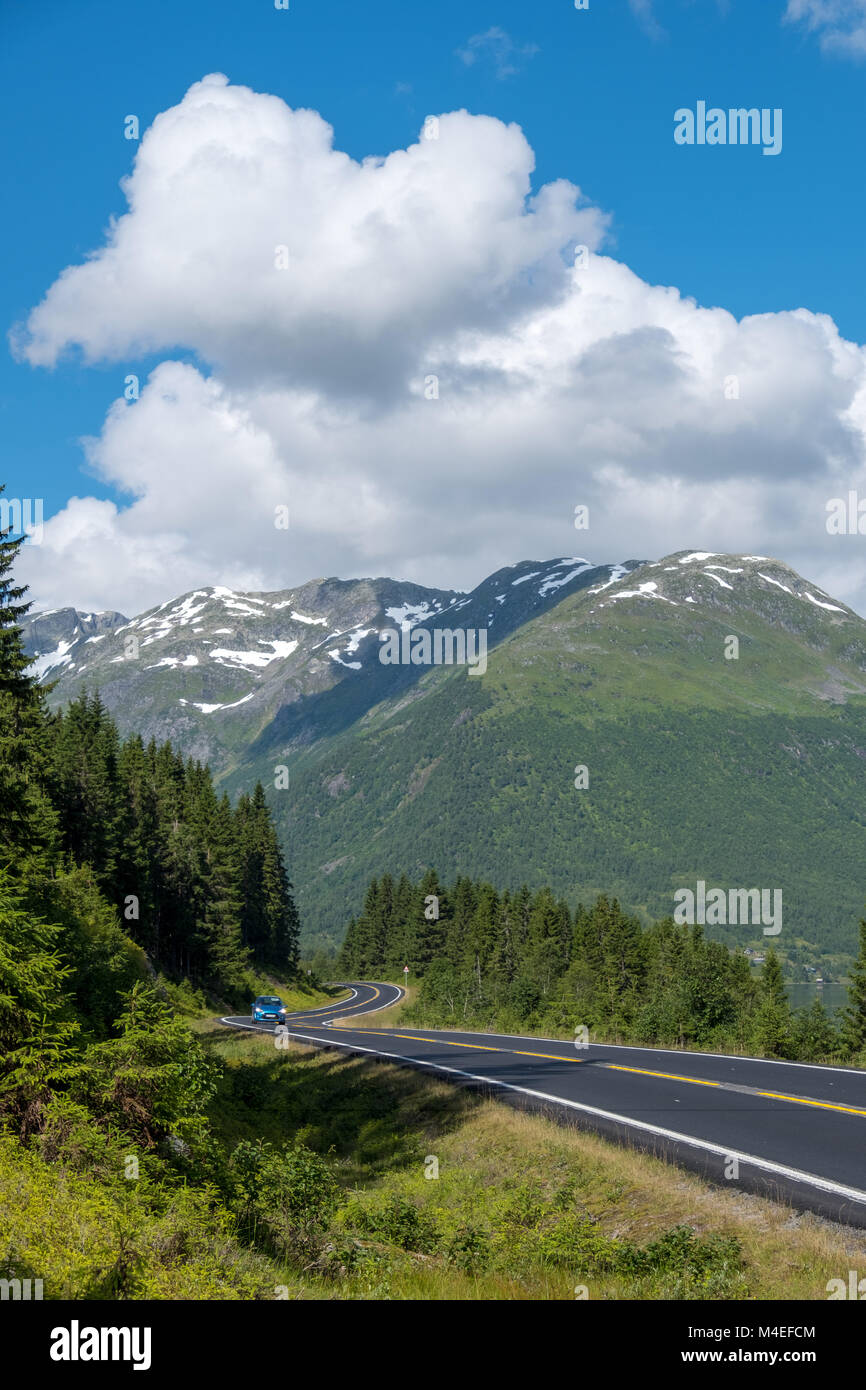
{"type": "Point", "coordinates": [779, 585]}
{"type": "Point", "coordinates": [649, 589]}
{"type": "Point", "coordinates": [831, 606]}
{"type": "Point", "coordinates": [351, 665]}
{"type": "Point", "coordinates": [173, 661]}
{"type": "Point", "coordinates": [59, 657]}
{"type": "Point", "coordinates": [302, 618]}
{"type": "Point", "coordinates": [226, 656]}
{"type": "Point", "coordinates": [410, 614]}
{"type": "Point", "coordinates": [211, 709]}
{"type": "Point", "coordinates": [550, 584]}
{"type": "Point", "coordinates": [616, 572]}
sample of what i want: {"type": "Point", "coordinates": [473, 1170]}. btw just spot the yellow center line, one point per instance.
{"type": "Point", "coordinates": [824, 1104]}
{"type": "Point", "coordinates": [474, 1047]}
{"type": "Point", "coordinates": [611, 1066]}
{"type": "Point", "coordinates": [665, 1075]}
{"type": "Point", "coordinates": [326, 1008]}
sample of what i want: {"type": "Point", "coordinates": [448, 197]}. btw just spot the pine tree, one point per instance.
{"type": "Point", "coordinates": [282, 922]}
{"type": "Point", "coordinates": [28, 824]}
{"type": "Point", "coordinates": [462, 902]}
{"type": "Point", "coordinates": [773, 1018]}
{"type": "Point", "coordinates": [371, 931]}
{"type": "Point", "coordinates": [37, 1026]}
{"type": "Point", "coordinates": [223, 958]}
{"type": "Point", "coordinates": [402, 943]}
{"type": "Point", "coordinates": [87, 786]}
{"type": "Point", "coordinates": [480, 940]}
{"type": "Point", "coordinates": [348, 963]}
{"type": "Point", "coordinates": [136, 878]}
{"type": "Point", "coordinates": [254, 930]}
{"type": "Point", "coordinates": [430, 919]}
{"type": "Point", "coordinates": [814, 1035]}
{"type": "Point", "coordinates": [854, 1015]}
{"type": "Point", "coordinates": [547, 945]}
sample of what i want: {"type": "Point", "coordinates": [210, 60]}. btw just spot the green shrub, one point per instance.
{"type": "Point", "coordinates": [293, 1183]}
{"type": "Point", "coordinates": [400, 1222]}
{"type": "Point", "coordinates": [469, 1250]}
{"type": "Point", "coordinates": [154, 1080]}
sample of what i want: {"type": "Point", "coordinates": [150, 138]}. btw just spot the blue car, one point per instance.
{"type": "Point", "coordinates": [268, 1009]}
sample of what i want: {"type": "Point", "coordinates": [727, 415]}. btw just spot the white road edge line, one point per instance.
{"type": "Point", "coordinates": [389, 1004]}
{"type": "Point", "coordinates": [323, 1008]}
{"type": "Point", "coordinates": [632, 1047]}
{"type": "Point", "coordinates": [766, 1164]}
{"type": "Point", "coordinates": [339, 1003]}
{"type": "Point", "coordinates": [654, 1051]}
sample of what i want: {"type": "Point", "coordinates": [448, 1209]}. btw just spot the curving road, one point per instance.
{"type": "Point", "coordinates": [786, 1130]}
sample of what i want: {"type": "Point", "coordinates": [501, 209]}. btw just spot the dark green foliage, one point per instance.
{"type": "Point", "coordinates": [292, 1180]}
{"type": "Point", "coordinates": [103, 964]}
{"type": "Point", "coordinates": [284, 1198]}
{"type": "Point", "coordinates": [110, 854]}
{"type": "Point", "coordinates": [27, 822]}
{"type": "Point", "coordinates": [854, 1018]}
{"type": "Point", "coordinates": [469, 1250]}
{"type": "Point", "coordinates": [813, 1035]}
{"type": "Point", "coordinates": [201, 887]}
{"type": "Point", "coordinates": [37, 1026]}
{"type": "Point", "coordinates": [153, 1080]}
{"type": "Point", "coordinates": [269, 918]}
{"type": "Point", "coordinates": [499, 805]}
{"type": "Point", "coordinates": [773, 1021]}
{"type": "Point", "coordinates": [400, 1222]}
{"type": "Point", "coordinates": [510, 960]}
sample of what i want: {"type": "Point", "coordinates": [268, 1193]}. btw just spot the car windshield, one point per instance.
{"type": "Point", "coordinates": [267, 1000]}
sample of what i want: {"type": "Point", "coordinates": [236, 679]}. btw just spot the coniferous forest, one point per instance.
{"type": "Point", "coordinates": [130, 894]}
{"type": "Point", "coordinates": [133, 895]}
{"type": "Point", "coordinates": [129, 846]}
{"type": "Point", "coordinates": [505, 960]}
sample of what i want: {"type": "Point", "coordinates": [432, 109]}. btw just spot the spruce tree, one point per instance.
{"type": "Point", "coordinates": [87, 787]}
{"type": "Point", "coordinates": [37, 1026]}
{"type": "Point", "coordinates": [430, 919]}
{"type": "Point", "coordinates": [773, 1018]}
{"type": "Point", "coordinates": [814, 1034]}
{"type": "Point", "coordinates": [28, 824]}
{"type": "Point", "coordinates": [854, 1015]}
{"type": "Point", "coordinates": [223, 959]}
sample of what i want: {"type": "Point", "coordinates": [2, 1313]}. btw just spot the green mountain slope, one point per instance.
{"type": "Point", "coordinates": [745, 773]}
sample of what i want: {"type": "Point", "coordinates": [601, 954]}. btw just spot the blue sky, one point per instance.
{"type": "Point", "coordinates": [594, 93]}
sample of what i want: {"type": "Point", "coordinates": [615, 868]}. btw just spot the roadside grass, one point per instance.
{"type": "Point", "coordinates": [87, 1240]}
{"type": "Point", "coordinates": [193, 1003]}
{"type": "Point", "coordinates": [98, 1217]}
{"type": "Point", "coordinates": [522, 1207]}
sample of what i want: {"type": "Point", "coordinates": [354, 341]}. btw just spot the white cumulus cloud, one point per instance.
{"type": "Point", "coordinates": [432, 383]}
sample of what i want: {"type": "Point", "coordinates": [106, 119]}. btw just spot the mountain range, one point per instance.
{"type": "Point", "coordinates": [716, 705]}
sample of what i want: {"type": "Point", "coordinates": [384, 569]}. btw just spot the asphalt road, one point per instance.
{"type": "Point", "coordinates": [787, 1130]}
